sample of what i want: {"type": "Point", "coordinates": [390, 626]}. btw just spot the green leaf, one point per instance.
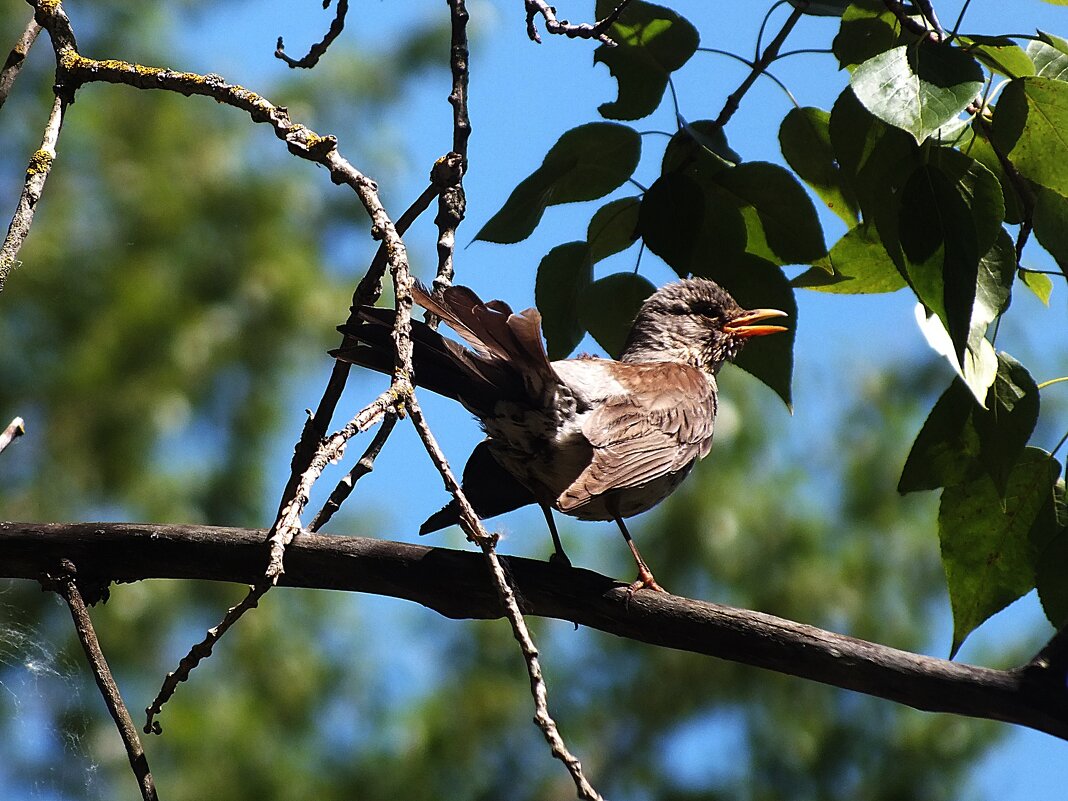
{"type": "Point", "coordinates": [1049, 539]}
{"type": "Point", "coordinates": [613, 228]}
{"type": "Point", "coordinates": [946, 450]}
{"type": "Point", "coordinates": [689, 225]}
{"type": "Point", "coordinates": [805, 139]}
{"type": "Point", "coordinates": [1039, 283]}
{"type": "Point", "coordinates": [992, 292]}
{"type": "Point", "coordinates": [986, 541]}
{"type": "Point", "coordinates": [976, 144]}
{"type": "Point", "coordinates": [608, 308]}
{"type": "Point", "coordinates": [951, 212]}
{"type": "Point", "coordinates": [857, 264]}
{"type": "Point", "coordinates": [759, 284]}
{"type": "Point", "coordinates": [653, 42]}
{"type": "Point", "coordinates": [876, 160]}
{"type": "Point", "coordinates": [563, 276]}
{"type": "Point", "coordinates": [1000, 54]}
{"type": "Point", "coordinates": [867, 30]}
{"type": "Point", "coordinates": [586, 163]}
{"type": "Point", "coordinates": [1051, 224]}
{"type": "Point", "coordinates": [1031, 126]}
{"type": "Point", "coordinates": [918, 88]}
{"type": "Point", "coordinates": [1007, 423]}
{"type": "Point", "coordinates": [1050, 60]}
{"type": "Point", "coordinates": [784, 214]}
{"type": "Point", "coordinates": [961, 440]}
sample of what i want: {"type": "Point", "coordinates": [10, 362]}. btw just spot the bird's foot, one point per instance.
{"type": "Point", "coordinates": [645, 581]}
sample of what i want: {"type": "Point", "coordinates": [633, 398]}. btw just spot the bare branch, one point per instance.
{"type": "Point", "coordinates": [319, 48]}
{"type": "Point", "coordinates": [455, 584]}
{"type": "Point", "coordinates": [15, 429]}
{"type": "Point", "coordinates": [64, 584]}
{"type": "Point", "coordinates": [16, 58]}
{"type": "Point", "coordinates": [36, 175]}
{"type": "Point", "coordinates": [759, 66]}
{"type": "Point", "coordinates": [476, 532]}
{"type": "Point", "coordinates": [583, 30]}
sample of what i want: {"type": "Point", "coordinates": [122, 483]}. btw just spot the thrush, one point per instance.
{"type": "Point", "coordinates": [596, 439]}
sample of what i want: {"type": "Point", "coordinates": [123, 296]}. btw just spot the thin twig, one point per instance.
{"type": "Point", "coordinates": [15, 429]}
{"type": "Point", "coordinates": [364, 466]}
{"type": "Point", "coordinates": [200, 651]}
{"type": "Point", "coordinates": [759, 66]}
{"type": "Point", "coordinates": [585, 30]}
{"type": "Point", "coordinates": [67, 587]}
{"type": "Point", "coordinates": [16, 58]}
{"type": "Point", "coordinates": [933, 33]}
{"type": "Point", "coordinates": [476, 532]}
{"type": "Point", "coordinates": [452, 203]}
{"type": "Point", "coordinates": [319, 48]}
{"type": "Point", "coordinates": [36, 175]}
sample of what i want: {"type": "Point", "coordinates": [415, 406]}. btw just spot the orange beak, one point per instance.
{"type": "Point", "coordinates": [743, 326]}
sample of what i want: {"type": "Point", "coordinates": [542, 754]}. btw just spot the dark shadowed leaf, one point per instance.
{"type": "Point", "coordinates": [951, 213]}
{"type": "Point", "coordinates": [586, 163]}
{"type": "Point", "coordinates": [1051, 224]}
{"type": "Point", "coordinates": [759, 284]}
{"type": "Point", "coordinates": [653, 42]}
{"type": "Point", "coordinates": [1005, 426]}
{"type": "Point", "coordinates": [867, 30]}
{"type": "Point", "coordinates": [609, 306]}
{"type": "Point", "coordinates": [976, 144]}
{"type": "Point", "coordinates": [1000, 54]}
{"type": "Point", "coordinates": [563, 276]}
{"type": "Point", "coordinates": [613, 228]}
{"type": "Point", "coordinates": [946, 450]}
{"type": "Point", "coordinates": [699, 146]}
{"type": "Point", "coordinates": [821, 8]}
{"type": "Point", "coordinates": [918, 88]}
{"type": "Point", "coordinates": [857, 264]}
{"type": "Point", "coordinates": [986, 541]}
{"type": "Point", "coordinates": [784, 215]}
{"type": "Point", "coordinates": [876, 160]}
{"type": "Point", "coordinates": [1031, 126]}
{"type": "Point", "coordinates": [805, 139]}
{"type": "Point", "coordinates": [1049, 540]}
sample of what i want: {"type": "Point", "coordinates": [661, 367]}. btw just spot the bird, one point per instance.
{"type": "Point", "coordinates": [593, 438]}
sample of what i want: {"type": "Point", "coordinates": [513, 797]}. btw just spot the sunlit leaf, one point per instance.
{"type": "Point", "coordinates": [1050, 60]}
{"type": "Point", "coordinates": [563, 276]}
{"type": "Point", "coordinates": [1039, 283]}
{"type": "Point", "coordinates": [857, 264]}
{"type": "Point", "coordinates": [805, 139]}
{"type": "Point", "coordinates": [1000, 54]}
{"type": "Point", "coordinates": [586, 163]}
{"type": "Point", "coordinates": [653, 42]}
{"type": "Point", "coordinates": [613, 228]}
{"type": "Point", "coordinates": [976, 144]}
{"type": "Point", "coordinates": [1031, 125]}
{"type": "Point", "coordinates": [608, 308]}
{"type": "Point", "coordinates": [917, 88]}
{"type": "Point", "coordinates": [986, 540]}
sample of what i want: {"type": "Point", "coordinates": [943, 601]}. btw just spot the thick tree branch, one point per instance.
{"type": "Point", "coordinates": [456, 584]}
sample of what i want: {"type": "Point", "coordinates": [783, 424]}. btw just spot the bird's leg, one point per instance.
{"type": "Point", "coordinates": [645, 578]}
{"type": "Point", "coordinates": [558, 557]}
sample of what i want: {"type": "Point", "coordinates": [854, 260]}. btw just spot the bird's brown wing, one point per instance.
{"type": "Point", "coordinates": [658, 428]}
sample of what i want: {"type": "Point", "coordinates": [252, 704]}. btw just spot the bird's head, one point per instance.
{"type": "Point", "coordinates": [697, 322]}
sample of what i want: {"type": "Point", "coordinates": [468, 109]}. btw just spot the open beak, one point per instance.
{"type": "Point", "coordinates": [743, 326]}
